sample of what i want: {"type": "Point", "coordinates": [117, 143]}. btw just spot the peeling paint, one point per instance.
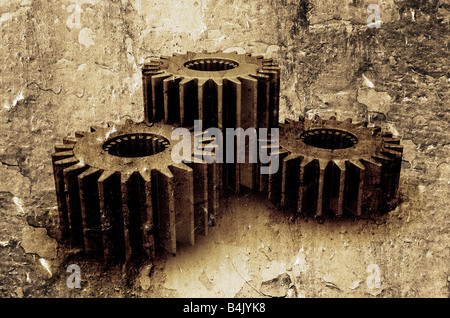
{"type": "Point", "coordinates": [86, 37]}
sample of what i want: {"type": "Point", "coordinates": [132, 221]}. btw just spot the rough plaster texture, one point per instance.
{"type": "Point", "coordinates": [66, 65]}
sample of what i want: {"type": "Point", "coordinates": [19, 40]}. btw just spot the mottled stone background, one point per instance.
{"type": "Point", "coordinates": [66, 65]}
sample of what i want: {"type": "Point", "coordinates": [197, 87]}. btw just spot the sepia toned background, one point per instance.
{"type": "Point", "coordinates": [66, 65]}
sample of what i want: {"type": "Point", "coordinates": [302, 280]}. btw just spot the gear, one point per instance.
{"type": "Point", "coordinates": [221, 89]}
{"type": "Point", "coordinates": [224, 90]}
{"type": "Point", "coordinates": [334, 167]}
{"type": "Point", "coordinates": [120, 195]}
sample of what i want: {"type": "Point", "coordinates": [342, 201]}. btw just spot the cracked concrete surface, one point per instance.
{"type": "Point", "coordinates": [67, 65]}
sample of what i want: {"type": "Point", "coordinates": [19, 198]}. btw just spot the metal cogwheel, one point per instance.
{"type": "Point", "coordinates": [331, 167]}
{"type": "Point", "coordinates": [120, 195]}
{"type": "Point", "coordinates": [224, 90]}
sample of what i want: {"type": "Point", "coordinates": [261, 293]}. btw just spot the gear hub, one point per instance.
{"type": "Point", "coordinates": [120, 195]}
{"type": "Point", "coordinates": [334, 167]}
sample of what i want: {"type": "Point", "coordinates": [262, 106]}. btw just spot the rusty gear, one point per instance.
{"type": "Point", "coordinates": [120, 195]}
{"type": "Point", "coordinates": [224, 90]}
{"type": "Point", "coordinates": [334, 167]}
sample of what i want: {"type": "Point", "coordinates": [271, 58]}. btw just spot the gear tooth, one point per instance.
{"type": "Point", "coordinates": [202, 98]}
{"type": "Point", "coordinates": [111, 218]}
{"type": "Point", "coordinates": [372, 192]}
{"type": "Point", "coordinates": [90, 210]}
{"type": "Point", "coordinates": [148, 238]}
{"type": "Point", "coordinates": [306, 192]}
{"type": "Point", "coordinates": [354, 185]}
{"type": "Point", "coordinates": [376, 129]}
{"type": "Point", "coordinates": [171, 88]}
{"type": "Point", "coordinates": [188, 98]}
{"type": "Point", "coordinates": [395, 148]}
{"type": "Point", "coordinates": [148, 93]}
{"type": "Point", "coordinates": [232, 110]}
{"type": "Point", "coordinates": [381, 158]}
{"type": "Point", "coordinates": [67, 162]}
{"type": "Point", "coordinates": [371, 163]}
{"type": "Point", "coordinates": [263, 109]}
{"type": "Point", "coordinates": [391, 153]}
{"type": "Point", "coordinates": [166, 210]}
{"type": "Point", "coordinates": [218, 93]}
{"type": "Point", "coordinates": [80, 134]}
{"type": "Point", "coordinates": [274, 95]}
{"type": "Point", "coordinates": [249, 95]}
{"type": "Point", "coordinates": [338, 189]}
{"type": "Point", "coordinates": [128, 211]}
{"type": "Point", "coordinates": [95, 128]}
{"type": "Point", "coordinates": [183, 181]}
{"type": "Point", "coordinates": [247, 119]}
{"type": "Point", "coordinates": [70, 140]}
{"type": "Point", "coordinates": [137, 210]}
{"type": "Point", "coordinates": [290, 177]}
{"type": "Point", "coordinates": [71, 190]}
{"type": "Point", "coordinates": [157, 94]}
{"type": "Point", "coordinates": [390, 140]}
{"type": "Point", "coordinates": [64, 148]}
{"type": "Point", "coordinates": [61, 155]}
{"type": "Point", "coordinates": [333, 118]}
{"type": "Point", "coordinates": [209, 65]}
{"type": "Point", "coordinates": [202, 64]}
{"type": "Point", "coordinates": [275, 179]}
{"type": "Point", "coordinates": [358, 164]}
{"type": "Point", "coordinates": [201, 215]}
{"type": "Point", "coordinates": [323, 164]}
{"type": "Point", "coordinates": [58, 167]}
{"type": "Point", "coordinates": [213, 194]}
{"type": "Point", "coordinates": [348, 120]}
{"type": "Point", "coordinates": [362, 124]}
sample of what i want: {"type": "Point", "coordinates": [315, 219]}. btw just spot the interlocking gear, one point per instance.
{"type": "Point", "coordinates": [223, 90]}
{"type": "Point", "coordinates": [120, 195]}
{"type": "Point", "coordinates": [334, 167]}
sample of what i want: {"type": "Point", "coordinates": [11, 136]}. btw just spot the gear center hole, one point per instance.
{"type": "Point", "coordinates": [211, 64]}
{"type": "Point", "coordinates": [135, 145]}
{"type": "Point", "coordinates": [329, 138]}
